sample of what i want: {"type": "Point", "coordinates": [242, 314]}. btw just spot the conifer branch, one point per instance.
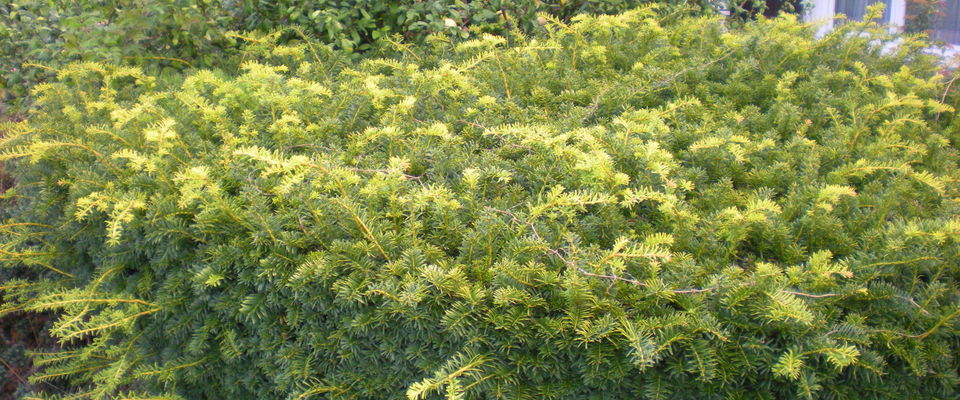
{"type": "Point", "coordinates": [116, 323]}
{"type": "Point", "coordinates": [910, 261]}
{"type": "Point", "coordinates": [363, 228]}
{"type": "Point", "coordinates": [84, 147]}
{"type": "Point", "coordinates": [418, 179]}
{"type": "Point", "coordinates": [52, 268]}
{"type": "Point", "coordinates": [4, 311]}
{"type": "Point", "coordinates": [60, 303]}
{"type": "Point", "coordinates": [18, 285]}
{"type": "Point", "coordinates": [939, 324]}
{"type": "Point", "coordinates": [503, 75]}
{"type": "Point", "coordinates": [813, 296]}
{"type": "Point", "coordinates": [171, 369]}
{"type": "Point", "coordinates": [43, 377]}
{"type": "Point", "coordinates": [182, 61]}
{"type": "Point", "coordinates": [66, 325]}
{"type": "Point", "coordinates": [317, 390]}
{"type": "Point", "coordinates": [8, 226]}
{"type": "Point", "coordinates": [30, 64]}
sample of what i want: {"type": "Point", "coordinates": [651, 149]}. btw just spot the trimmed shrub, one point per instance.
{"type": "Point", "coordinates": [631, 206]}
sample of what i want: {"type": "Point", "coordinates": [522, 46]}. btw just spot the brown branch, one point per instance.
{"type": "Point", "coordinates": [614, 277]}
{"type": "Point", "coordinates": [709, 289]}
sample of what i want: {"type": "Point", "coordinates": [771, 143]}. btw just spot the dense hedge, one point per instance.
{"type": "Point", "coordinates": [633, 206]}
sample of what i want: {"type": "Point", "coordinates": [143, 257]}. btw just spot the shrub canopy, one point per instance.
{"type": "Point", "coordinates": [173, 35]}
{"type": "Point", "coordinates": [631, 206]}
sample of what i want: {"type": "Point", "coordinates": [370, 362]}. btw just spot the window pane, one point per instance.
{"type": "Point", "coordinates": [855, 9]}
{"type": "Point", "coordinates": [948, 29]}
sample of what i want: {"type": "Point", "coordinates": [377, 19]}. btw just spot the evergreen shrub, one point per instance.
{"type": "Point", "coordinates": [173, 35]}
{"type": "Point", "coordinates": [644, 205]}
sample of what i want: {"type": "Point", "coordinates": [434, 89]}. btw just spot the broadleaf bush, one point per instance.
{"type": "Point", "coordinates": [645, 205]}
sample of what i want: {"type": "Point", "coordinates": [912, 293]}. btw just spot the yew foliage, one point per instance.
{"type": "Point", "coordinates": [644, 205]}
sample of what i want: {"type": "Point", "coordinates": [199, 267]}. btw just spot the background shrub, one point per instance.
{"type": "Point", "coordinates": [39, 36]}
{"type": "Point", "coordinates": [923, 15]}
{"type": "Point", "coordinates": [632, 206]}
{"type": "Point", "coordinates": [358, 24]}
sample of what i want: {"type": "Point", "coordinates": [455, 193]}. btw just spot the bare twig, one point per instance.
{"type": "Point", "coordinates": [473, 124]}
{"type": "Point", "coordinates": [946, 91]}
{"type": "Point", "coordinates": [513, 217]}
{"type": "Point", "coordinates": [14, 372]}
{"type": "Point", "coordinates": [257, 188]}
{"type": "Point", "coordinates": [384, 171]}
{"type": "Point", "coordinates": [594, 106]}
{"type": "Point", "coordinates": [912, 301]}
